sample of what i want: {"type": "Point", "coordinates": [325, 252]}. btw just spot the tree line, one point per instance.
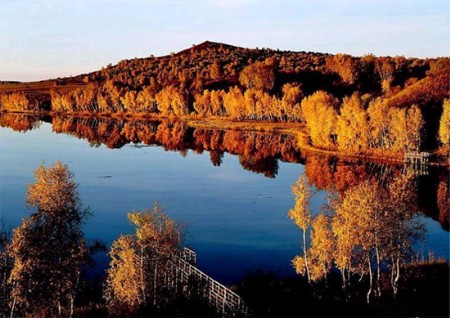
{"type": "Point", "coordinates": [216, 80]}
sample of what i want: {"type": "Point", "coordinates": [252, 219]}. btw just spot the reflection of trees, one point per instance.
{"type": "Point", "coordinates": [258, 152]}
{"type": "Point", "coordinates": [20, 123]}
{"type": "Point", "coordinates": [267, 166]}
{"type": "Point", "coordinates": [443, 202]}
{"type": "Point", "coordinates": [331, 173]}
{"type": "Point", "coordinates": [368, 235]}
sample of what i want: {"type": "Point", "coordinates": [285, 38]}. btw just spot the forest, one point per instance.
{"type": "Point", "coordinates": [368, 105]}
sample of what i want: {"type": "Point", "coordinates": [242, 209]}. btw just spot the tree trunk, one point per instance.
{"type": "Point", "coordinates": [13, 307]}
{"type": "Point", "coordinates": [305, 256]}
{"type": "Point", "coordinates": [397, 276]}
{"type": "Point", "coordinates": [370, 281]}
{"type": "Point", "coordinates": [155, 275]}
{"type": "Point", "coordinates": [72, 299]}
{"type": "Point", "coordinates": [378, 294]}
{"type": "Point", "coordinates": [141, 263]}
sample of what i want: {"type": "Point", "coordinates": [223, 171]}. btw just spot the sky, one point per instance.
{"type": "Point", "coordinates": [41, 39]}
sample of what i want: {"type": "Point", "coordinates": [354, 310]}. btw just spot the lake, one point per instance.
{"type": "Point", "coordinates": [232, 189]}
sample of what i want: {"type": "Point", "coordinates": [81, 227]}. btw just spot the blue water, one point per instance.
{"type": "Point", "coordinates": [236, 220]}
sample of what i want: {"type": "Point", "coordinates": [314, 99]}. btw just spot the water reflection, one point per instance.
{"type": "Point", "coordinates": [20, 123]}
{"type": "Point", "coordinates": [430, 193]}
{"type": "Point", "coordinates": [258, 152]}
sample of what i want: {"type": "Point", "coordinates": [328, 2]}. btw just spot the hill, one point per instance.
{"type": "Point", "coordinates": [212, 65]}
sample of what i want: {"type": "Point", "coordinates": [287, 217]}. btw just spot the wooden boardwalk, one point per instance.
{"type": "Point", "coordinates": [226, 302]}
{"type": "Point", "coordinates": [417, 162]}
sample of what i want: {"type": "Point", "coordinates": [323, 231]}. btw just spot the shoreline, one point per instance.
{"type": "Point", "coordinates": [297, 129]}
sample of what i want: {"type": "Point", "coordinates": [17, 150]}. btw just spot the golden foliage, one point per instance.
{"type": "Point", "coordinates": [301, 214]}
{"type": "Point", "coordinates": [49, 249]}
{"type": "Point", "coordinates": [322, 247]}
{"type": "Point", "coordinates": [140, 262]}
{"type": "Point", "coordinates": [444, 124]}
{"type": "Point", "coordinates": [352, 124]}
{"type": "Point", "coordinates": [259, 75]}
{"type": "Point", "coordinates": [320, 117]}
{"type": "Point", "coordinates": [345, 65]}
{"type": "Point", "coordinates": [15, 102]}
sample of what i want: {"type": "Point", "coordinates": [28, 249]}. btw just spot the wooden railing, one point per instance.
{"type": "Point", "coordinates": [417, 158]}
{"type": "Point", "coordinates": [417, 162]}
{"type": "Point", "coordinates": [226, 302]}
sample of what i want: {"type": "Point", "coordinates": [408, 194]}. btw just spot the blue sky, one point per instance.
{"type": "Point", "coordinates": [42, 39]}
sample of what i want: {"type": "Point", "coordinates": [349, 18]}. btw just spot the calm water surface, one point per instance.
{"type": "Point", "coordinates": [236, 219]}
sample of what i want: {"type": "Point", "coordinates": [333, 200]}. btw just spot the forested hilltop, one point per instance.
{"type": "Point", "coordinates": [351, 104]}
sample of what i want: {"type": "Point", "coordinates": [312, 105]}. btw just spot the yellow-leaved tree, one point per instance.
{"type": "Point", "coordinates": [320, 115]}
{"type": "Point", "coordinates": [444, 124]}
{"type": "Point", "coordinates": [301, 215]}
{"type": "Point", "coordinates": [352, 125]}
{"type": "Point", "coordinates": [414, 127]}
{"type": "Point", "coordinates": [322, 247]}
{"type": "Point", "coordinates": [140, 262]}
{"type": "Point", "coordinates": [49, 249]}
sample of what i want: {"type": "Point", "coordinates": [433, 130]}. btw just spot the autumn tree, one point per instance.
{"type": "Point", "coordinates": [233, 102]}
{"type": "Point", "coordinates": [62, 102]}
{"type": "Point", "coordinates": [379, 122]}
{"type": "Point", "coordinates": [85, 98]}
{"type": "Point", "coordinates": [375, 228]}
{"type": "Point", "coordinates": [359, 224]}
{"type": "Point", "coordinates": [15, 102]}
{"type": "Point", "coordinates": [146, 99]}
{"type": "Point", "coordinates": [444, 124]}
{"type": "Point", "coordinates": [301, 215]}
{"type": "Point", "coordinates": [352, 128]}
{"type": "Point", "coordinates": [109, 97]}
{"type": "Point", "coordinates": [345, 65]}
{"type": "Point", "coordinates": [129, 101]}
{"type": "Point", "coordinates": [414, 128]}
{"type": "Point", "coordinates": [217, 108]}
{"type": "Point", "coordinates": [397, 133]}
{"type": "Point", "coordinates": [259, 75]}
{"type": "Point", "coordinates": [171, 102]}
{"type": "Point", "coordinates": [322, 247]}
{"type": "Point", "coordinates": [320, 116]}
{"type": "Point", "coordinates": [215, 70]}
{"type": "Point", "coordinates": [49, 248]}
{"type": "Point", "coordinates": [202, 104]}
{"type": "Point", "coordinates": [139, 262]}
{"type": "Point", "coordinates": [290, 103]}
{"type": "Point", "coordinates": [385, 70]}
